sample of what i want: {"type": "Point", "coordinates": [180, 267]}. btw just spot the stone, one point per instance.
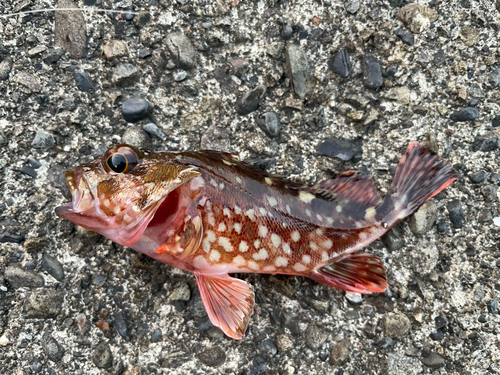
{"type": "Point", "coordinates": [424, 218]}
{"type": "Point", "coordinates": [437, 336]}
{"type": "Point", "coordinates": [249, 102]}
{"type": "Point", "coordinates": [432, 360]}
{"type": "Point", "coordinates": [394, 239]}
{"type": "Point", "coordinates": [43, 139]}
{"type": "Point", "coordinates": [315, 336]}
{"type": "Point", "coordinates": [493, 78]}
{"type": "Point", "coordinates": [29, 81]}
{"type": "Point", "coordinates": [83, 81]}
{"type": "Point", "coordinates": [469, 35]}
{"type": "Point", "coordinates": [342, 148]}
{"type": "Point", "coordinates": [465, 114]}
{"type": "Point", "coordinates": [486, 143]}
{"type": "Point", "coordinates": [426, 257]}
{"type": "Point", "coordinates": [372, 73]}
{"type": "Point", "coordinates": [23, 278]}
{"type": "Point", "coordinates": [5, 68]}
{"type": "Point", "coordinates": [135, 109]}
{"type": "Point", "coordinates": [9, 237]}
{"type": "Point", "coordinates": [352, 7]}
{"type": "Point", "coordinates": [102, 355]}
{"type": "Point", "coordinates": [154, 130]}
{"type": "Point", "coordinates": [340, 353]}
{"type": "Point", "coordinates": [180, 75]}
{"type": "Point", "coordinates": [270, 125]}
{"type": "Point", "coordinates": [70, 30]}
{"type": "Point", "coordinates": [492, 306]}
{"type": "Point", "coordinates": [341, 63]}
{"type": "Point", "coordinates": [299, 70]}
{"type": "Point", "coordinates": [181, 50]}
{"type": "Point", "coordinates": [156, 336]}
{"type": "Point", "coordinates": [401, 364]}
{"type": "Point", "coordinates": [125, 75]}
{"type": "Point", "coordinates": [182, 292]}
{"type": "Point", "coordinates": [484, 215]}
{"type": "Point", "coordinates": [121, 324]}
{"type": "Point", "coordinates": [53, 267]}
{"type": "Point", "coordinates": [53, 55]}
{"type": "Point", "coordinates": [396, 325]}
{"type": "Point", "coordinates": [286, 32]}
{"type": "Point", "coordinates": [36, 50]}
{"type": "Point", "coordinates": [267, 348]}
{"type": "Point", "coordinates": [213, 356]}
{"type": "Point", "coordinates": [137, 137]}
{"type": "Point", "coordinates": [43, 304]}
{"type": "Point", "coordinates": [284, 343]}
{"type": "Point", "coordinates": [114, 49]}
{"type": "Point", "coordinates": [417, 17]}
{"type": "Point", "coordinates": [478, 176]}
{"type": "Point", "coordinates": [354, 298]}
{"type": "Point", "coordinates": [52, 348]}
{"type": "Point", "coordinates": [490, 193]}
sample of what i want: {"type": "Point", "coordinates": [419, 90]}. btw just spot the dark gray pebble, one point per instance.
{"type": "Point", "coordinates": [155, 131]}
{"type": "Point", "coordinates": [23, 278]}
{"type": "Point", "coordinates": [52, 348]}
{"type": "Point", "coordinates": [181, 50]}
{"type": "Point", "coordinates": [121, 324]}
{"type": "Point", "coordinates": [437, 336]}
{"type": "Point", "coordinates": [372, 73]}
{"type": "Point", "coordinates": [180, 75]}
{"type": "Point", "coordinates": [249, 102]}
{"type": "Point", "coordinates": [492, 306]}
{"type": "Point", "coordinates": [286, 32]}
{"type": "Point", "coordinates": [340, 353]}
{"type": "Point", "coordinates": [495, 121]}
{"type": "Point", "coordinates": [125, 75]}
{"type": "Point", "coordinates": [100, 279]}
{"type": "Point", "coordinates": [352, 7]}
{"type": "Point", "coordinates": [156, 335]}
{"type": "Point", "coordinates": [465, 114]}
{"type": "Point", "coordinates": [485, 143]}
{"type": "Point", "coordinates": [441, 226]}
{"type": "Point", "coordinates": [406, 36]}
{"type": "Point", "coordinates": [482, 319]}
{"type": "Point", "coordinates": [299, 70]}
{"type": "Point", "coordinates": [5, 68]}
{"type": "Point", "coordinates": [456, 213]}
{"type": "Point", "coordinates": [34, 163]}
{"type": "Point", "coordinates": [270, 125]}
{"type": "Point", "coordinates": [135, 109]}
{"type": "Point", "coordinates": [14, 238]}
{"type": "Point", "coordinates": [137, 137]}
{"type": "Point", "coordinates": [31, 265]}
{"type": "Point", "coordinates": [315, 336]}
{"type": "Point", "coordinates": [385, 343]}
{"type": "Point", "coordinates": [213, 356]}
{"type": "Point", "coordinates": [478, 176]}
{"type": "Point", "coordinates": [83, 81]}
{"type": "Point", "coordinates": [341, 63]}
{"type": "Point", "coordinates": [43, 139]}
{"type": "Point", "coordinates": [28, 171]}
{"type": "Point", "coordinates": [53, 55]}
{"type": "Point", "coordinates": [267, 348]}
{"type": "Point", "coordinates": [53, 267]}
{"type": "Point", "coordinates": [259, 365]}
{"type": "Point", "coordinates": [342, 148]}
{"type": "Point", "coordinates": [494, 78]}
{"type": "Point", "coordinates": [43, 304]}
{"type": "Point", "coordinates": [433, 360]}
{"type": "Point", "coordinates": [102, 355]}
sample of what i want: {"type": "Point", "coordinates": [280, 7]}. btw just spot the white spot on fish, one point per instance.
{"type": "Point", "coordinates": [281, 262]}
{"type": "Point", "coordinates": [256, 244]}
{"type": "Point", "coordinates": [299, 267]}
{"type": "Point", "coordinates": [328, 244]}
{"type": "Point", "coordinates": [363, 236]}
{"type": "Point", "coordinates": [324, 256]}
{"type": "Point", "coordinates": [288, 209]}
{"type": "Point", "coordinates": [330, 220]}
{"type": "Point", "coordinates": [319, 231]}
{"type": "Point", "coordinates": [268, 181]}
{"type": "Point", "coordinates": [222, 227]}
{"type": "Point", "coordinates": [117, 210]}
{"type": "Point", "coordinates": [370, 213]}
{"type": "Point", "coordinates": [319, 217]}
{"type": "Point", "coordinates": [107, 203]}
{"type": "Point", "coordinates": [272, 201]}
{"type": "Point", "coordinates": [237, 228]}
{"type": "Point", "coordinates": [286, 249]}
{"type": "Point", "coordinates": [227, 162]}
{"type": "Point", "coordinates": [306, 259]}
{"type": "Point", "coordinates": [200, 262]}
{"type": "Point", "coordinates": [275, 239]}
{"type": "Point", "coordinates": [210, 236]}
{"type": "Point", "coordinates": [338, 208]}
{"type": "Point", "coordinates": [210, 218]}
{"type": "Point", "coordinates": [262, 211]}
{"type": "Point", "coordinates": [221, 186]}
{"type": "Point", "coordinates": [226, 244]}
{"type": "Point", "coordinates": [358, 224]}
{"type": "Point", "coordinates": [261, 255]}
{"type": "Point", "coordinates": [295, 236]}
{"type": "Point", "coordinates": [250, 213]}
{"type": "Point", "coordinates": [237, 209]}
{"type": "Point", "coordinates": [238, 180]}
{"type": "Point", "coordinates": [127, 218]}
{"type": "Point", "coordinates": [239, 261]}
{"type": "Point", "coordinates": [306, 197]}
{"type": "Point", "coordinates": [263, 231]}
{"type": "Point", "coordinates": [269, 269]}
{"type": "Point", "coordinates": [243, 246]}
{"type": "Point", "coordinates": [213, 182]}
{"type": "Point", "coordinates": [253, 266]}
{"type": "Point", "coordinates": [308, 212]}
{"type": "Point", "coordinates": [313, 246]}
{"type": "Point", "coordinates": [214, 256]}
{"type": "Point", "coordinates": [227, 212]}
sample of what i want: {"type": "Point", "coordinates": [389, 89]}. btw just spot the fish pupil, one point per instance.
{"type": "Point", "coordinates": [117, 163]}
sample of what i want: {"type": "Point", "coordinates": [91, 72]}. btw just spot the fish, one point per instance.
{"type": "Point", "coordinates": [211, 214]}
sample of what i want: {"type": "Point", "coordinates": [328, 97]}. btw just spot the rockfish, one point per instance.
{"type": "Point", "coordinates": [211, 214]}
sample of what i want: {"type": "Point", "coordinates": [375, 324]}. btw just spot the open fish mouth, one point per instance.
{"type": "Point", "coordinates": [82, 199]}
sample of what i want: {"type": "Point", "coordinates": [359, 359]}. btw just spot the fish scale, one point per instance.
{"type": "Point", "coordinates": [211, 214]}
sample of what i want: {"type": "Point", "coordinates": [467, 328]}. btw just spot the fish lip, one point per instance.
{"type": "Point", "coordinates": [73, 180]}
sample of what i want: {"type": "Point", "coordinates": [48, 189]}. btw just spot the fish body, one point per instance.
{"type": "Point", "coordinates": [211, 214]}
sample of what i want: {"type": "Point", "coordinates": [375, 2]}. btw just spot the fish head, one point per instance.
{"type": "Point", "coordinates": [118, 194]}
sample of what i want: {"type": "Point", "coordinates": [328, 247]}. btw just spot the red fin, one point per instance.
{"type": "Point", "coordinates": [354, 186]}
{"type": "Point", "coordinates": [360, 273]}
{"type": "Point", "coordinates": [229, 302]}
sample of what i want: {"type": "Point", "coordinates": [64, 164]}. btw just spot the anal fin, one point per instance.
{"type": "Point", "coordinates": [228, 301]}
{"type": "Point", "coordinates": [360, 273]}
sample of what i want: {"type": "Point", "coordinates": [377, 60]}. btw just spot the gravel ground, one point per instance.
{"type": "Point", "coordinates": [304, 89]}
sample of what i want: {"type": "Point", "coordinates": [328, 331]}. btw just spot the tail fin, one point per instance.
{"type": "Point", "coordinates": [420, 175]}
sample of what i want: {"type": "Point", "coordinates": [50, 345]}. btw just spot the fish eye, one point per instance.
{"type": "Point", "coordinates": [121, 159]}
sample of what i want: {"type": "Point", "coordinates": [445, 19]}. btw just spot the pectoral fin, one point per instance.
{"type": "Point", "coordinates": [229, 302]}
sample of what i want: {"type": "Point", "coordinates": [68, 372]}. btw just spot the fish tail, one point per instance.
{"type": "Point", "coordinates": [420, 175]}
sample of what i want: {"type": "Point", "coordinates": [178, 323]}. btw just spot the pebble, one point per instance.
{"type": "Point", "coordinates": [437, 336]}
{"type": "Point", "coordinates": [14, 238]}
{"type": "Point", "coordinates": [354, 298]}
{"type": "Point", "coordinates": [267, 348]}
{"type": "Point", "coordinates": [70, 30]}
{"type": "Point", "coordinates": [27, 171]}
{"type": "Point", "coordinates": [485, 143]}
{"type": "Point", "coordinates": [396, 325]}
{"type": "Point", "coordinates": [36, 50]}
{"type": "Point", "coordinates": [53, 267]}
{"type": "Point", "coordinates": [102, 355]}
{"type": "Point", "coordinates": [490, 193]}
{"type": "Point", "coordinates": [180, 75]}
{"type": "Point", "coordinates": [249, 102]}
{"type": "Point", "coordinates": [44, 304]}
{"type": "Point", "coordinates": [432, 360]}
{"type": "Point", "coordinates": [156, 336]}
{"type": "Point", "coordinates": [5, 68]}
{"type": "Point", "coordinates": [299, 70]}
{"type": "Point", "coordinates": [83, 81]}
{"type": "Point", "coordinates": [340, 352]}
{"type": "Point", "coordinates": [135, 109]}
{"type": "Point", "coordinates": [424, 218]}
{"type": "Point", "coordinates": [284, 342]}
{"type": "Point", "coordinates": [406, 37]}
{"type": "Point", "coordinates": [286, 32]}
{"type": "Point", "coordinates": [182, 292]}
{"type": "Point", "coordinates": [99, 279]}
{"type": "Point", "coordinates": [34, 163]}
{"type": "Point", "coordinates": [181, 50]}
{"type": "Point", "coordinates": [495, 121]}
{"type": "Point", "coordinates": [385, 343]}
{"type": "Point", "coordinates": [53, 55]}
{"type": "Point", "coordinates": [52, 348]}
{"type": "Point", "coordinates": [342, 148]}
{"type": "Point", "coordinates": [43, 139]}
{"type": "Point", "coordinates": [315, 336]}
{"type": "Point", "coordinates": [213, 356]}
{"type": "Point", "coordinates": [372, 73]}
{"type": "Point", "coordinates": [259, 364]}
{"type": "Point", "coordinates": [441, 226]}
{"type": "Point", "coordinates": [352, 7]}
{"type": "Point", "coordinates": [270, 125]}
{"type": "Point", "coordinates": [23, 278]}
{"type": "Point", "coordinates": [478, 176]}
{"type": "Point", "coordinates": [114, 49]}
{"type": "Point", "coordinates": [341, 63]}
{"type": "Point", "coordinates": [492, 306]}
{"type": "Point", "coordinates": [121, 324]}
{"type": "Point", "coordinates": [494, 78]}
{"type": "Point", "coordinates": [29, 81]}
{"type": "Point", "coordinates": [456, 213]}
{"type": "Point", "coordinates": [417, 17]}
{"type": "Point", "coordinates": [465, 114]}
{"type": "Point", "coordinates": [137, 137]}
{"type": "Point", "coordinates": [154, 130]}
{"type": "Point", "coordinates": [125, 75]}
{"type": "Point", "coordinates": [394, 239]}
